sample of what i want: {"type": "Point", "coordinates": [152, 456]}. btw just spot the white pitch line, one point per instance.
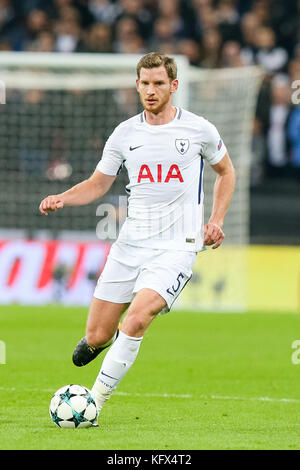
{"type": "Point", "coordinates": [211, 397]}
{"type": "Point", "coordinates": [169, 395]}
{"type": "Point", "coordinates": [127, 394]}
{"type": "Point", "coordinates": [263, 399]}
{"type": "Point", "coordinates": [154, 395]}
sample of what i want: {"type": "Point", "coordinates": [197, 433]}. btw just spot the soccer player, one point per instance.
{"type": "Point", "coordinates": [163, 149]}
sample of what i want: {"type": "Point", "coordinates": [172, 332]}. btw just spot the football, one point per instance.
{"type": "Point", "coordinates": [73, 406]}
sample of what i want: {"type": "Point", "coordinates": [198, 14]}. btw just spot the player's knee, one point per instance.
{"type": "Point", "coordinates": [135, 326]}
{"type": "Point", "coordinates": [136, 323]}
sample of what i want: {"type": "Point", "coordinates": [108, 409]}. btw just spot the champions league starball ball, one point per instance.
{"type": "Point", "coordinates": [73, 406]}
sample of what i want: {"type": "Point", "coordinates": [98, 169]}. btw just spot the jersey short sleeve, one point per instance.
{"type": "Point", "coordinates": [112, 158]}
{"type": "Point", "coordinates": [214, 148]}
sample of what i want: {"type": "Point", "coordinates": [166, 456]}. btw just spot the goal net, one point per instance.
{"type": "Point", "coordinates": [59, 111]}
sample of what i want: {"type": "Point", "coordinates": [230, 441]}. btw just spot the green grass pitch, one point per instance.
{"type": "Point", "coordinates": [201, 381]}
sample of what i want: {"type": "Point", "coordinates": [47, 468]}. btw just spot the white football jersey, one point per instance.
{"type": "Point", "coordinates": [165, 169]}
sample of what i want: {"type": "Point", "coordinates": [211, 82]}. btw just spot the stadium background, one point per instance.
{"type": "Point", "coordinates": [57, 259]}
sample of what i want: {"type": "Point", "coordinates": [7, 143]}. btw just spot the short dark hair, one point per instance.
{"type": "Point", "coordinates": [154, 59]}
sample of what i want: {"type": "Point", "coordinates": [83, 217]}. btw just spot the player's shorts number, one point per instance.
{"type": "Point", "coordinates": [175, 287]}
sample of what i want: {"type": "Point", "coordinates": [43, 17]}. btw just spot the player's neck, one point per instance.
{"type": "Point", "coordinates": [163, 117]}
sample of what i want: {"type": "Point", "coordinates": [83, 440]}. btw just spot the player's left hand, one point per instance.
{"type": "Point", "coordinates": [213, 235]}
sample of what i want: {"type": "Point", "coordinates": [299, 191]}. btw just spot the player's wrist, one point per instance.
{"type": "Point", "coordinates": [217, 222]}
{"type": "Point", "coordinates": [61, 198]}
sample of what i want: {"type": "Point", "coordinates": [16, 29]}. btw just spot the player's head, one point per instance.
{"type": "Point", "coordinates": [157, 81]}
{"type": "Point", "coordinates": [155, 60]}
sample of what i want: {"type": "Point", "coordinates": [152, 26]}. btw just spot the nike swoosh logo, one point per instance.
{"type": "Point", "coordinates": [108, 376]}
{"type": "Point", "coordinates": [133, 148]}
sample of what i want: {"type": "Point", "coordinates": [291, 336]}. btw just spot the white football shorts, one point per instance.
{"type": "Point", "coordinates": [129, 269]}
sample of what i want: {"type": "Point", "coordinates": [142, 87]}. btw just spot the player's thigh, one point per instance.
{"type": "Point", "coordinates": [143, 309]}
{"type": "Point", "coordinates": [167, 274]}
{"type": "Point", "coordinates": [103, 320]}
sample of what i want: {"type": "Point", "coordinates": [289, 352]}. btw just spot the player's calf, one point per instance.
{"type": "Point", "coordinates": [85, 353]}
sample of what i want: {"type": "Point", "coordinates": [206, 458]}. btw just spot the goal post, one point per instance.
{"type": "Point", "coordinates": [227, 97]}
{"type": "Point", "coordinates": [61, 108]}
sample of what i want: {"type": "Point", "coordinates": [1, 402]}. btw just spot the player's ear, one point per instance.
{"type": "Point", "coordinates": [137, 84]}
{"type": "Point", "coordinates": [174, 85]}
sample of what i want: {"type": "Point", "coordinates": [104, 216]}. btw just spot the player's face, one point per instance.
{"type": "Point", "coordinates": [155, 89]}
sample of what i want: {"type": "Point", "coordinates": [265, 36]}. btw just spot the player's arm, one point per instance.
{"type": "Point", "coordinates": [223, 190]}
{"type": "Point", "coordinates": [81, 194]}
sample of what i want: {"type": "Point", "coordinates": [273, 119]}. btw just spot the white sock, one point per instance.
{"type": "Point", "coordinates": [116, 364]}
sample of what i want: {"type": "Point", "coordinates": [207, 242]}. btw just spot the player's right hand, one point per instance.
{"type": "Point", "coordinates": [214, 235]}
{"type": "Point", "coordinates": [51, 204]}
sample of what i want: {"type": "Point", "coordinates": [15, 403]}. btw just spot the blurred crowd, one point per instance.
{"type": "Point", "coordinates": [210, 33]}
